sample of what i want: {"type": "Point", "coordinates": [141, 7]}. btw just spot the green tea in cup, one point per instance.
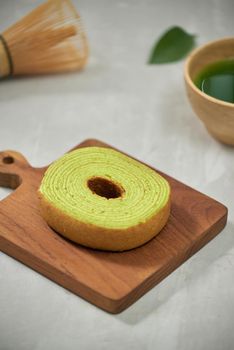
{"type": "Point", "coordinates": [217, 80]}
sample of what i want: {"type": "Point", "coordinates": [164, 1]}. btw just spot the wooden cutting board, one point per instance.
{"type": "Point", "coordinates": [112, 281]}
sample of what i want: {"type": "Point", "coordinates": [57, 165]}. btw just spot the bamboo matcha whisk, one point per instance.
{"type": "Point", "coordinates": [49, 39]}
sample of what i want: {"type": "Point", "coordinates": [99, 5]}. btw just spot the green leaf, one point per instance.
{"type": "Point", "coordinates": [172, 46]}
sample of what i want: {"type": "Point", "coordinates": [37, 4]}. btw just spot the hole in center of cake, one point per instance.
{"type": "Point", "coordinates": [104, 188]}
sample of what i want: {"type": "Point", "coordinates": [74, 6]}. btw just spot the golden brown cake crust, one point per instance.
{"type": "Point", "coordinates": [103, 238]}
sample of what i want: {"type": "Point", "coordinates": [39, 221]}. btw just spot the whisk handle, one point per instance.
{"type": "Point", "coordinates": [5, 59]}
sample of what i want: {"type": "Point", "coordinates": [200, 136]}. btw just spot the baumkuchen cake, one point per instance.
{"type": "Point", "coordinates": [103, 199]}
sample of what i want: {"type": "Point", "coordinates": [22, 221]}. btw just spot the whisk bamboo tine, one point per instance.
{"type": "Point", "coordinates": [49, 39]}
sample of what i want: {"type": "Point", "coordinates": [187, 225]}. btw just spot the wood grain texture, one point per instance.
{"type": "Point", "coordinates": [111, 281]}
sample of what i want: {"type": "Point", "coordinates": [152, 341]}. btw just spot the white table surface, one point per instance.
{"type": "Point", "coordinates": [142, 110]}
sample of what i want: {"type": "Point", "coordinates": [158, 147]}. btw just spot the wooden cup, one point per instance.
{"type": "Point", "coordinates": [217, 115]}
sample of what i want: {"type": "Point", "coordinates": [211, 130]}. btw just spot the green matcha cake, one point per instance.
{"type": "Point", "coordinates": [103, 199]}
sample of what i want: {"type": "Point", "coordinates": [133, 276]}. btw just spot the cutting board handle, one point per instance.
{"type": "Point", "coordinates": [13, 169]}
